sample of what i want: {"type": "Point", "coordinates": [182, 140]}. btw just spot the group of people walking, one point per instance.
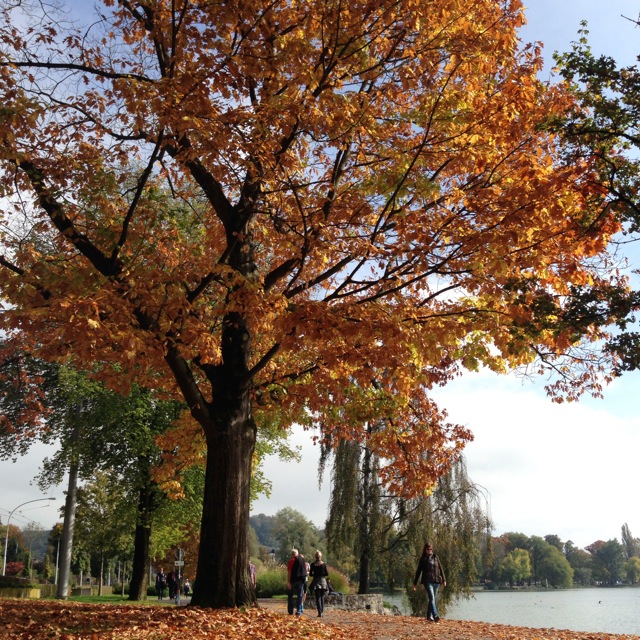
{"type": "Point", "coordinates": [429, 572]}
{"type": "Point", "coordinates": [173, 583]}
{"type": "Point", "coordinates": [298, 573]}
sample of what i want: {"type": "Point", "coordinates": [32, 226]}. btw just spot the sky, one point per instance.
{"type": "Point", "coordinates": [568, 470]}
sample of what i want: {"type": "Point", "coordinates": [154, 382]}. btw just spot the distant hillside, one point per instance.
{"type": "Point", "coordinates": [263, 526]}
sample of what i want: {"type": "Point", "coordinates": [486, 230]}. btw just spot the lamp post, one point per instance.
{"type": "Point", "coordinates": [6, 538]}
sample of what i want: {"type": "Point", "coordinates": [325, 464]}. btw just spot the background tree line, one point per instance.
{"type": "Point", "coordinates": [452, 517]}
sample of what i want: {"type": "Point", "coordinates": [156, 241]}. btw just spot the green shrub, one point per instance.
{"type": "Point", "coordinates": [117, 588]}
{"type": "Point", "coordinates": [418, 600]}
{"type": "Point", "coordinates": [20, 583]}
{"type": "Point", "coordinates": [271, 582]}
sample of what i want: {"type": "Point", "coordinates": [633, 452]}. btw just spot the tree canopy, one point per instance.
{"type": "Point", "coordinates": [314, 212]}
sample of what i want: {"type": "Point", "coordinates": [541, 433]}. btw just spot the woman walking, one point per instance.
{"type": "Point", "coordinates": [318, 571]}
{"type": "Point", "coordinates": [432, 577]}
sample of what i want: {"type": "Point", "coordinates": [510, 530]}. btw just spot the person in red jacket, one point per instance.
{"type": "Point", "coordinates": [296, 575]}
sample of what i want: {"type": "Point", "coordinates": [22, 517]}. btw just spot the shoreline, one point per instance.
{"type": "Point", "coordinates": [402, 627]}
{"type": "Point", "coordinates": [45, 619]}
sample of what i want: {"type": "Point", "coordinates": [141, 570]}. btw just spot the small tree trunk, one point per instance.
{"type": "Point", "coordinates": [139, 575]}
{"type": "Point", "coordinates": [66, 544]}
{"type": "Point", "coordinates": [100, 580]}
{"type": "Point", "coordinates": [365, 533]}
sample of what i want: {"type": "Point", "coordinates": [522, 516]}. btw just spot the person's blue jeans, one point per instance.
{"type": "Point", "coordinates": [432, 594]}
{"type": "Point", "coordinates": [297, 591]}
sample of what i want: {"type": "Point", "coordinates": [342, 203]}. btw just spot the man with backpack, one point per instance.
{"type": "Point", "coordinates": [296, 576]}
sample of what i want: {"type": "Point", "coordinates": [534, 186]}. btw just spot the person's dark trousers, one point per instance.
{"type": "Point", "coordinates": [320, 601]}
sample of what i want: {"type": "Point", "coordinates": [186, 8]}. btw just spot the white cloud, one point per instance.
{"type": "Point", "coordinates": [565, 469]}
{"type": "Point", "coordinates": [17, 486]}
{"type": "Point", "coordinates": [295, 484]}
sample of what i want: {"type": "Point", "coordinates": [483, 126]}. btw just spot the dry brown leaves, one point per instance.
{"type": "Point", "coordinates": [44, 619]}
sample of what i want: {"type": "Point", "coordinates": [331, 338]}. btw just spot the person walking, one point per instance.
{"type": "Point", "coordinates": [306, 581]}
{"type": "Point", "coordinates": [296, 574]}
{"type": "Point", "coordinates": [172, 580]}
{"type": "Point", "coordinates": [430, 567]}
{"type": "Point", "coordinates": [319, 583]}
{"type": "Point", "coordinates": [161, 583]}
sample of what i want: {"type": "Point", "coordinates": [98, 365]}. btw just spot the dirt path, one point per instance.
{"type": "Point", "coordinates": [377, 627]}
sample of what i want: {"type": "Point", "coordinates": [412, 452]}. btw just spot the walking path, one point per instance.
{"type": "Point", "coordinates": [378, 627]}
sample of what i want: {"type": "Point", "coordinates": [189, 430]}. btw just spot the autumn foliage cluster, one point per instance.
{"type": "Point", "coordinates": [292, 213]}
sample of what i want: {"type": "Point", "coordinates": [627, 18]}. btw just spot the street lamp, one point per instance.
{"type": "Point", "coordinates": [6, 539]}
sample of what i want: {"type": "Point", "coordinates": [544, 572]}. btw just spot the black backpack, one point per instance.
{"type": "Point", "coordinates": [299, 570]}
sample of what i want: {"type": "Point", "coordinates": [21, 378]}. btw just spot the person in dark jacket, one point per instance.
{"type": "Point", "coordinates": [172, 583]}
{"type": "Point", "coordinates": [296, 575]}
{"type": "Point", "coordinates": [430, 568]}
{"type": "Point", "coordinates": [161, 583]}
{"type": "Point", "coordinates": [319, 574]}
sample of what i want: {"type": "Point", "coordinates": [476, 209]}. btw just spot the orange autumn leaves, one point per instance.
{"type": "Point", "coordinates": [45, 619]}
{"type": "Point", "coordinates": [35, 620]}
{"type": "Point", "coordinates": [368, 187]}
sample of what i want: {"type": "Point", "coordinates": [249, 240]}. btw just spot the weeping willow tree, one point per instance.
{"type": "Point", "coordinates": [373, 533]}
{"type": "Point", "coordinates": [357, 511]}
{"type": "Point", "coordinates": [455, 519]}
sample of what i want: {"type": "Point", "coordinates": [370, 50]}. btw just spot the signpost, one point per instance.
{"type": "Point", "coordinates": [179, 563]}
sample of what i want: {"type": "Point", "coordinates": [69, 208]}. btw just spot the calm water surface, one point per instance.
{"type": "Point", "coordinates": [614, 610]}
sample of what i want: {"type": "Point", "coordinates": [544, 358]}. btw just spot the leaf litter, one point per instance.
{"type": "Point", "coordinates": [51, 619]}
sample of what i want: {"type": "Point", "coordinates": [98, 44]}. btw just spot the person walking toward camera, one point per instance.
{"type": "Point", "coordinates": [319, 574]}
{"type": "Point", "coordinates": [430, 567]}
{"type": "Point", "coordinates": [161, 583]}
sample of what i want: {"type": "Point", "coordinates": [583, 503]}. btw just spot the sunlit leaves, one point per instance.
{"type": "Point", "coordinates": [338, 207]}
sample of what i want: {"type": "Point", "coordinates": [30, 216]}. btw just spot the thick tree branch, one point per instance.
{"type": "Point", "coordinates": [65, 226]}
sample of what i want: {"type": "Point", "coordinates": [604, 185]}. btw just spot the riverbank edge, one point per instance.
{"type": "Point", "coordinates": [401, 627]}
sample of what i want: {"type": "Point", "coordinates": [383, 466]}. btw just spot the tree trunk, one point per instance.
{"type": "Point", "coordinates": [222, 578]}
{"type": "Point", "coordinates": [139, 574]}
{"type": "Point", "coordinates": [66, 543]}
{"type": "Point", "coordinates": [101, 579]}
{"type": "Point", "coordinates": [365, 524]}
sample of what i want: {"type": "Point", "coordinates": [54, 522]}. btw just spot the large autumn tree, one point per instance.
{"type": "Point", "coordinates": [281, 209]}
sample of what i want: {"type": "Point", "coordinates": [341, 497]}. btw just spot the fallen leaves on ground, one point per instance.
{"type": "Point", "coordinates": [376, 627]}
{"type": "Point", "coordinates": [44, 619]}
{"type": "Point", "coordinates": [48, 619]}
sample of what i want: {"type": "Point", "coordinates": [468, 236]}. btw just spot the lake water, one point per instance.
{"type": "Point", "coordinates": [612, 610]}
